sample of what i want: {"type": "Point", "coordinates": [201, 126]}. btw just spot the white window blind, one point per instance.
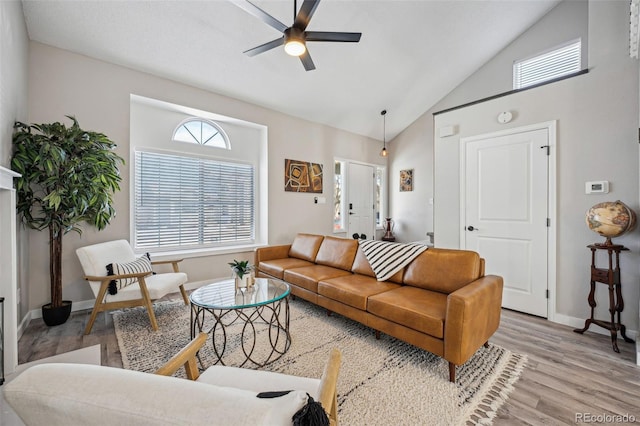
{"type": "Point", "coordinates": [190, 202]}
{"type": "Point", "coordinates": [547, 66]}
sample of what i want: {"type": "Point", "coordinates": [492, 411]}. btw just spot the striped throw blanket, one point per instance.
{"type": "Point", "coordinates": [388, 258]}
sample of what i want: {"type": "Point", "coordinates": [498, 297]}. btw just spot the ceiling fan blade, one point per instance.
{"type": "Point", "coordinates": [264, 47]}
{"type": "Point", "coordinates": [332, 36]}
{"type": "Point", "coordinates": [305, 13]}
{"type": "Point", "coordinates": [307, 61]}
{"type": "Point", "coordinates": [254, 10]}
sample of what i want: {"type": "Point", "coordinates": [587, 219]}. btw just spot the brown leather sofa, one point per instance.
{"type": "Point", "coordinates": [441, 302]}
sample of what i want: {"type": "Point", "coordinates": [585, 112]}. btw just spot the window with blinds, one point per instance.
{"type": "Point", "coordinates": [189, 202]}
{"type": "Point", "coordinates": [548, 66]}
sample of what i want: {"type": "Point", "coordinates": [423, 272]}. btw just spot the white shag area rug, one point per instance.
{"type": "Point", "coordinates": [382, 382]}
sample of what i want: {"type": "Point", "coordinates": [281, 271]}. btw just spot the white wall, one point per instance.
{"type": "Point", "coordinates": [14, 56]}
{"type": "Point", "coordinates": [413, 148]}
{"type": "Point", "coordinates": [14, 45]}
{"type": "Point", "coordinates": [597, 139]}
{"type": "Point", "coordinates": [98, 94]}
{"type": "Point", "coordinates": [411, 210]}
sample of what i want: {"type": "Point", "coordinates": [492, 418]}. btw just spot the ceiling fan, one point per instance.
{"type": "Point", "coordinates": [295, 37]}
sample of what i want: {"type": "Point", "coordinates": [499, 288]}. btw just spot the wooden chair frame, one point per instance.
{"type": "Point", "coordinates": [145, 300]}
{"type": "Point", "coordinates": [328, 395]}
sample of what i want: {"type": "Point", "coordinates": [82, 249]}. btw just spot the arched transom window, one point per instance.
{"type": "Point", "coordinates": [201, 131]}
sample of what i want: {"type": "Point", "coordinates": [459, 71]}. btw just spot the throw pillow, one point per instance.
{"type": "Point", "coordinates": [308, 412]}
{"type": "Point", "coordinates": [141, 264]}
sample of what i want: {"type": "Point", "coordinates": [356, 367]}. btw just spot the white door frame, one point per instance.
{"type": "Point", "coordinates": [345, 194]}
{"type": "Point", "coordinates": [550, 126]}
{"type": "Point", "coordinates": [348, 197]}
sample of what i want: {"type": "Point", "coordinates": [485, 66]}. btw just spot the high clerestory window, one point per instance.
{"type": "Point", "coordinates": [201, 131]}
{"type": "Point", "coordinates": [548, 65]}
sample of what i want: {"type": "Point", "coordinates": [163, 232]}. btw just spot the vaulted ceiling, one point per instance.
{"type": "Point", "coordinates": [411, 54]}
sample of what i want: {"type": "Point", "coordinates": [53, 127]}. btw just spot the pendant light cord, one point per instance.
{"type": "Point", "coordinates": [383, 153]}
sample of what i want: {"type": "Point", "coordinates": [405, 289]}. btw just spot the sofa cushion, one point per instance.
{"type": "Point", "coordinates": [337, 252]}
{"type": "Point", "coordinates": [305, 246]}
{"type": "Point", "coordinates": [307, 277]}
{"type": "Point", "coordinates": [443, 270]}
{"type": "Point", "coordinates": [362, 266]}
{"type": "Point", "coordinates": [416, 308]}
{"type": "Point", "coordinates": [277, 267]}
{"type": "Point", "coordinates": [353, 290]}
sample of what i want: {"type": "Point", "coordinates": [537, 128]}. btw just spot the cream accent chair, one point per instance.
{"type": "Point", "coordinates": [75, 394]}
{"type": "Point", "coordinates": [94, 260]}
{"type": "Point", "coordinates": [322, 390]}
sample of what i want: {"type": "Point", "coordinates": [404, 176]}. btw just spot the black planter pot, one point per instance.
{"type": "Point", "coordinates": [56, 316]}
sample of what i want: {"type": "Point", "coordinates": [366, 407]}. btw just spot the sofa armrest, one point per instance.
{"type": "Point", "coordinates": [76, 394]}
{"type": "Point", "coordinates": [271, 253]}
{"type": "Point", "coordinates": [472, 316]}
{"type": "Point", "coordinates": [173, 262]}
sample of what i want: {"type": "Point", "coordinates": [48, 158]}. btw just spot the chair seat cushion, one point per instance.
{"type": "Point", "coordinates": [416, 308]}
{"type": "Point", "coordinates": [159, 285]}
{"type": "Point", "coordinates": [258, 380]}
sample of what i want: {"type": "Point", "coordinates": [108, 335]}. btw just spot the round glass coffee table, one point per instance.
{"type": "Point", "coordinates": [255, 319]}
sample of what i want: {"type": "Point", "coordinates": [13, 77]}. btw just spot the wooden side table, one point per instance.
{"type": "Point", "coordinates": [611, 277]}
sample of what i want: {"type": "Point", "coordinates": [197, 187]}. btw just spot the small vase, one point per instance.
{"type": "Point", "coordinates": [243, 282]}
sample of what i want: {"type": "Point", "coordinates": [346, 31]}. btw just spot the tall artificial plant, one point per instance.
{"type": "Point", "coordinates": [69, 176]}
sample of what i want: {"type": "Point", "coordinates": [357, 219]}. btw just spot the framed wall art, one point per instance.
{"type": "Point", "coordinates": [406, 180]}
{"type": "Point", "coordinates": [301, 176]}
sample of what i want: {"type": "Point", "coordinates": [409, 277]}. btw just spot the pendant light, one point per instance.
{"type": "Point", "coordinates": [384, 151]}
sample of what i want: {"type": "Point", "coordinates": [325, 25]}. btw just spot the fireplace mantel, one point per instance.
{"type": "Point", "coordinates": [6, 178]}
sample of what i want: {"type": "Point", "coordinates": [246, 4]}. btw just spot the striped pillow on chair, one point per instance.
{"type": "Point", "coordinates": [141, 264]}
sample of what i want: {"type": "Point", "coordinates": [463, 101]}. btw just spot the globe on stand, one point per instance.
{"type": "Point", "coordinates": [611, 219]}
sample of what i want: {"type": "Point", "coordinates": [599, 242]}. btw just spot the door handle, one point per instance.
{"type": "Point", "coordinates": [351, 213]}
{"type": "Point", "coordinates": [471, 228]}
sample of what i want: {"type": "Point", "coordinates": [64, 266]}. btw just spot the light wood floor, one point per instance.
{"type": "Point", "coordinates": [566, 373]}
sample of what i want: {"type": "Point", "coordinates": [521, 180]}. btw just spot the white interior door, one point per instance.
{"type": "Point", "coordinates": [505, 213]}
{"type": "Point", "coordinates": [360, 205]}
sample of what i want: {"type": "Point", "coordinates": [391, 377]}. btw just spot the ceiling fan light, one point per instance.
{"type": "Point", "coordinates": [294, 47]}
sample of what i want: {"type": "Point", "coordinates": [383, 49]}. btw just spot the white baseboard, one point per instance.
{"type": "Point", "coordinates": [88, 304]}
{"type": "Point", "coordinates": [75, 306]}
{"type": "Point", "coordinates": [24, 324]}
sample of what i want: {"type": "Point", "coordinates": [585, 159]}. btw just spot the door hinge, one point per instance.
{"type": "Point", "coordinates": [547, 293]}
{"type": "Point", "coordinates": [548, 222]}
{"type": "Point", "coordinates": [548, 147]}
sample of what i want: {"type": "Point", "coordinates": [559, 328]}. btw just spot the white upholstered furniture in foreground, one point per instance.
{"type": "Point", "coordinates": [94, 260]}
{"type": "Point", "coordinates": [75, 394]}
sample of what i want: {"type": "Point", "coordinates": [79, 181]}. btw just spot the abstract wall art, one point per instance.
{"type": "Point", "coordinates": [301, 176]}
{"type": "Point", "coordinates": [406, 180]}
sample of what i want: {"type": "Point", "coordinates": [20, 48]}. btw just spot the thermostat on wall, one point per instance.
{"type": "Point", "coordinates": [597, 187]}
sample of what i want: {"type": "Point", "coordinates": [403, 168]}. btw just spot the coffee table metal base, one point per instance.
{"type": "Point", "coordinates": [256, 321]}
